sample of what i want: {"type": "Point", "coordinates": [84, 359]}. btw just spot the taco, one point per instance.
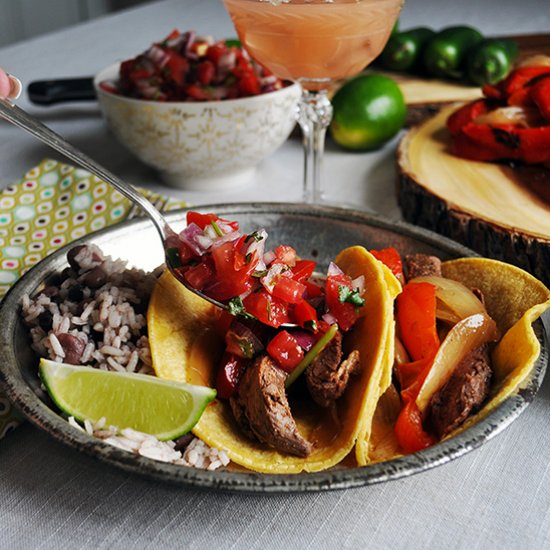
{"type": "Point", "coordinates": [262, 424]}
{"type": "Point", "coordinates": [464, 344]}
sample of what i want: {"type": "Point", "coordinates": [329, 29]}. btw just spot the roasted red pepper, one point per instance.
{"type": "Point", "coordinates": [526, 88]}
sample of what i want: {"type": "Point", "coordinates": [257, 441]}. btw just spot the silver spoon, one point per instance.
{"type": "Point", "coordinates": [17, 116]}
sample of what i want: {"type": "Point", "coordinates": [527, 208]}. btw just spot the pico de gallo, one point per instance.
{"type": "Point", "coordinates": [263, 290]}
{"type": "Point", "coordinates": [512, 121]}
{"type": "Point", "coordinates": [186, 67]}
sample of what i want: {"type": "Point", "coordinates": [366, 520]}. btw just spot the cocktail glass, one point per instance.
{"type": "Point", "coordinates": [316, 43]}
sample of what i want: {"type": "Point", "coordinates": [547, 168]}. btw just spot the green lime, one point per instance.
{"type": "Point", "coordinates": [368, 111]}
{"type": "Point", "coordinates": [145, 403]}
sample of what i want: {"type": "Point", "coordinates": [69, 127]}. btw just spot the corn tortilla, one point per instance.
{"type": "Point", "coordinates": [183, 346]}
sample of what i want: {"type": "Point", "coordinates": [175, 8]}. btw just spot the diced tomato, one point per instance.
{"type": "Point", "coordinates": [288, 290]}
{"type": "Point", "coordinates": [313, 290]}
{"type": "Point", "coordinates": [249, 84]}
{"type": "Point", "coordinates": [285, 350]}
{"type": "Point", "coordinates": [185, 253]}
{"type": "Point", "coordinates": [206, 72]}
{"type": "Point", "coordinates": [344, 313]}
{"type": "Point", "coordinates": [172, 36]}
{"type": "Point", "coordinates": [305, 315]}
{"type": "Point", "coordinates": [196, 92]}
{"type": "Point", "coordinates": [199, 276]}
{"type": "Point", "coordinates": [408, 429]}
{"type": "Point", "coordinates": [229, 281]}
{"type": "Point", "coordinates": [285, 254]}
{"type": "Point", "coordinates": [391, 259]}
{"type": "Point", "coordinates": [216, 51]}
{"type": "Point", "coordinates": [176, 66]}
{"type": "Point", "coordinates": [108, 87]}
{"type": "Point", "coordinates": [202, 220]}
{"type": "Point", "coordinates": [266, 308]}
{"type": "Point", "coordinates": [303, 270]}
{"type": "Point", "coordinates": [416, 320]}
{"type": "Point", "coordinates": [223, 321]}
{"type": "Point", "coordinates": [229, 375]}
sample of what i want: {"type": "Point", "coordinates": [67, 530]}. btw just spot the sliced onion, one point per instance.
{"type": "Point", "coordinates": [400, 353]}
{"type": "Point", "coordinates": [242, 341]}
{"type": "Point", "coordinates": [272, 276]}
{"type": "Point", "coordinates": [269, 256]}
{"type": "Point", "coordinates": [258, 246]}
{"type": "Point", "coordinates": [539, 60]}
{"type": "Point", "coordinates": [359, 284]}
{"type": "Point", "coordinates": [305, 339]}
{"type": "Point", "coordinates": [333, 269]}
{"type": "Point", "coordinates": [454, 300]}
{"type": "Point", "coordinates": [464, 337]}
{"type": "Point", "coordinates": [157, 55]}
{"type": "Point", "coordinates": [330, 319]}
{"type": "Point", "coordinates": [190, 237]}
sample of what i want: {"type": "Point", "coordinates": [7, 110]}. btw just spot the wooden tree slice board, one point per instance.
{"type": "Point", "coordinates": [499, 211]}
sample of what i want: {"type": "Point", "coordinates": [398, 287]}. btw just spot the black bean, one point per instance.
{"type": "Point", "coordinates": [95, 278]}
{"type": "Point", "coordinates": [51, 291]}
{"type": "Point", "coordinates": [71, 255]}
{"type": "Point", "coordinates": [183, 441]}
{"type": "Point", "coordinates": [73, 348]}
{"type": "Point", "coordinates": [76, 293]}
{"type": "Point", "coordinates": [45, 320]}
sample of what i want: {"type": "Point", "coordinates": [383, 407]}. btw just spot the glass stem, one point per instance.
{"type": "Point", "coordinates": [314, 116]}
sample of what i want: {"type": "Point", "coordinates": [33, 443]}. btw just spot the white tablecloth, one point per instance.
{"type": "Point", "coordinates": [52, 497]}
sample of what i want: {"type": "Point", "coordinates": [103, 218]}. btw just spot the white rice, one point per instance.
{"type": "Point", "coordinates": [197, 454]}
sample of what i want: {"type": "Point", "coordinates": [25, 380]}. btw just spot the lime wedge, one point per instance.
{"type": "Point", "coordinates": [145, 403]}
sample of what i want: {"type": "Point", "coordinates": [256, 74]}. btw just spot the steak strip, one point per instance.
{"type": "Point", "coordinates": [463, 394]}
{"type": "Point", "coordinates": [261, 408]}
{"type": "Point", "coordinates": [327, 377]}
{"type": "Point", "coordinates": [422, 265]}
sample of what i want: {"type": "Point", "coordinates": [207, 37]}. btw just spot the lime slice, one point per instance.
{"type": "Point", "coordinates": [145, 403]}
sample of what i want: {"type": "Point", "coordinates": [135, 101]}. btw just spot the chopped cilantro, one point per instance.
{"type": "Point", "coordinates": [236, 307]}
{"type": "Point", "coordinates": [256, 236]}
{"type": "Point", "coordinates": [346, 294]}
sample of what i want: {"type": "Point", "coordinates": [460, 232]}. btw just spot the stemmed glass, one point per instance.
{"type": "Point", "coordinates": [314, 42]}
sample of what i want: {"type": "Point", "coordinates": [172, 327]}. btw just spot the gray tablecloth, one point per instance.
{"type": "Point", "coordinates": [52, 497]}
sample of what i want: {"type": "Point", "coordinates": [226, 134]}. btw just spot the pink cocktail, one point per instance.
{"type": "Point", "coordinates": [314, 42]}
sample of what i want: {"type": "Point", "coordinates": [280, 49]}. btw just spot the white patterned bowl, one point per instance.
{"type": "Point", "coordinates": [209, 145]}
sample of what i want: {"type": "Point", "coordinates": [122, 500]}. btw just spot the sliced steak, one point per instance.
{"type": "Point", "coordinates": [463, 393]}
{"type": "Point", "coordinates": [327, 377]}
{"type": "Point", "coordinates": [422, 265]}
{"type": "Point", "coordinates": [261, 408]}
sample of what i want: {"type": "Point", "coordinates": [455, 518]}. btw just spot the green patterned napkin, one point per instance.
{"type": "Point", "coordinates": [51, 206]}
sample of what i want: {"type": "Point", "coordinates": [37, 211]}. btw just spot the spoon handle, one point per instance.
{"type": "Point", "coordinates": [12, 113]}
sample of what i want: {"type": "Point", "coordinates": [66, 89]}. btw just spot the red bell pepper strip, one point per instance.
{"type": "Point", "coordinates": [391, 259]}
{"type": "Point", "coordinates": [416, 320]}
{"type": "Point", "coordinates": [540, 94]}
{"type": "Point", "coordinates": [527, 87]}
{"type": "Point", "coordinates": [408, 429]}
{"type": "Point", "coordinates": [465, 115]}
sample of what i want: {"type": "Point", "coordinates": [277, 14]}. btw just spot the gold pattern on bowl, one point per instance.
{"type": "Point", "coordinates": [200, 144]}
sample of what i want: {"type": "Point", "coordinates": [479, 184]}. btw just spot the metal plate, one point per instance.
{"type": "Point", "coordinates": [316, 232]}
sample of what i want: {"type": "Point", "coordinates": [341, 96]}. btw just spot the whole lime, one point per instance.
{"type": "Point", "coordinates": [368, 111]}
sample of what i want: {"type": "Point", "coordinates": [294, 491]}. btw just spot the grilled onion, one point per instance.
{"type": "Point", "coordinates": [467, 335]}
